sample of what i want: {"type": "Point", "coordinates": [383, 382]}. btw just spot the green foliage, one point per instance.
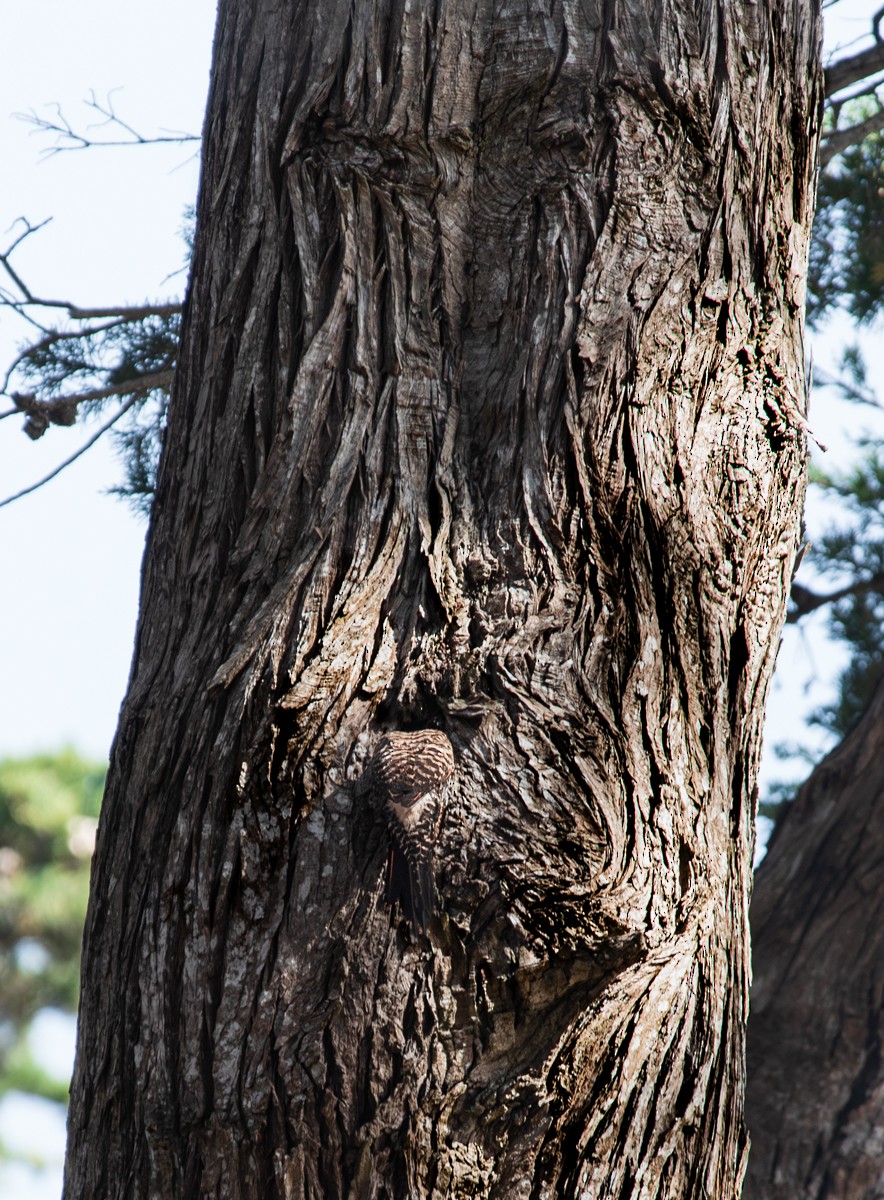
{"type": "Point", "coordinates": [139, 445]}
{"type": "Point", "coordinates": [858, 621]}
{"type": "Point", "coordinates": [119, 361]}
{"type": "Point", "coordinates": [849, 557]}
{"type": "Point", "coordinates": [852, 556]}
{"type": "Point", "coordinates": [847, 250]}
{"type": "Point", "coordinates": [779, 794]}
{"type": "Point", "coordinates": [848, 560]}
{"type": "Point", "coordinates": [100, 355]}
{"type": "Point", "coordinates": [846, 271]}
{"type": "Point", "coordinates": [22, 1074]}
{"type": "Point", "coordinates": [48, 813]}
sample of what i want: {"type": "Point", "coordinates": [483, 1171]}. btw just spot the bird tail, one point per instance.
{"type": "Point", "coordinates": [423, 894]}
{"type": "Point", "coordinates": [412, 887]}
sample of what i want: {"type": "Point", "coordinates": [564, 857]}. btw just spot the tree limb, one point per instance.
{"type": "Point", "coordinates": [73, 458]}
{"type": "Point", "coordinates": [68, 138]}
{"type": "Point", "coordinates": [840, 139]}
{"type": "Point", "coordinates": [852, 69]}
{"type": "Point", "coordinates": [128, 312]}
{"type": "Point", "coordinates": [63, 409]}
{"type": "Point", "coordinates": [805, 601]}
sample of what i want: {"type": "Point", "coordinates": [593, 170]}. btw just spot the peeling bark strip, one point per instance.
{"type": "Point", "coordinates": [816, 1085]}
{"type": "Point", "coordinates": [487, 419]}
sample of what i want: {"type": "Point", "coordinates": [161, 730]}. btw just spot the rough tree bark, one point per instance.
{"type": "Point", "coordinates": [487, 417]}
{"type": "Point", "coordinates": [815, 1097]}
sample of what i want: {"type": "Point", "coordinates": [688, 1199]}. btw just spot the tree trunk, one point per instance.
{"type": "Point", "coordinates": [815, 1098]}
{"type": "Point", "coordinates": [487, 419]}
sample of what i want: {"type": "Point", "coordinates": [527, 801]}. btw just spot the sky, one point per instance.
{"type": "Point", "coordinates": [70, 553]}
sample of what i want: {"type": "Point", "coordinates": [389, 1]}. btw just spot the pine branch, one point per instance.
{"type": "Point", "coordinates": [805, 601]}
{"type": "Point", "coordinates": [99, 433]}
{"type": "Point", "coordinates": [58, 335]}
{"type": "Point", "coordinates": [852, 69]}
{"type": "Point", "coordinates": [850, 389]}
{"type": "Point", "coordinates": [63, 409]}
{"type": "Point", "coordinates": [839, 140]}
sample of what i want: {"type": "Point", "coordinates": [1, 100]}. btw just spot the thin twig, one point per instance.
{"type": "Point", "coordinates": [132, 312]}
{"type": "Point", "coordinates": [25, 316]}
{"type": "Point", "coordinates": [28, 230]}
{"type": "Point", "coordinates": [73, 458]}
{"type": "Point", "coordinates": [7, 254]}
{"type": "Point", "coordinates": [65, 132]}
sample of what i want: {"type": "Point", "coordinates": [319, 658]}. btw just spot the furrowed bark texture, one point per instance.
{"type": "Point", "coordinates": [488, 417]}
{"type": "Point", "coordinates": [815, 1097]}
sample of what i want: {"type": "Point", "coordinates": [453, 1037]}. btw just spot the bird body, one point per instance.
{"type": "Point", "coordinates": [410, 773]}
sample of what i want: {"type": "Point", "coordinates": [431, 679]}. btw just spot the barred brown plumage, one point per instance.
{"type": "Point", "coordinates": [410, 773]}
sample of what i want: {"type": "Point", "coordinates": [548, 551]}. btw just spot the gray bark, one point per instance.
{"type": "Point", "coordinates": [815, 1099]}
{"type": "Point", "coordinates": [488, 416]}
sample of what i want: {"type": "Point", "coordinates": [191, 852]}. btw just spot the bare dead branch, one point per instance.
{"type": "Point", "coordinates": [6, 256]}
{"type": "Point", "coordinates": [28, 230]}
{"type": "Point", "coordinates": [68, 138]}
{"type": "Point", "coordinates": [76, 312]}
{"type": "Point", "coordinates": [125, 312]}
{"type": "Point", "coordinates": [99, 433]}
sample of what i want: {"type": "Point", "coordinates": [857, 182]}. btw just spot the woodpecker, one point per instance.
{"type": "Point", "coordinates": [410, 774]}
